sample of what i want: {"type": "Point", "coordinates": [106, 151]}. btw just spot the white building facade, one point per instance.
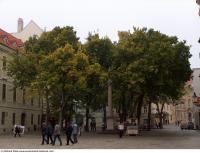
{"type": "Point", "coordinates": [16, 106]}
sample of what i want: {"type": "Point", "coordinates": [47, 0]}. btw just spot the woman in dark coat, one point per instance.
{"type": "Point", "coordinates": [69, 130]}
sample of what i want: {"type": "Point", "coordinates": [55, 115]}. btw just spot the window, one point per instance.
{"type": "Point", "coordinates": [3, 115]}
{"type": "Point", "coordinates": [145, 109]}
{"type": "Point", "coordinates": [14, 44]}
{"type": "Point", "coordinates": [145, 121]}
{"type": "Point", "coordinates": [31, 101]}
{"type": "Point", "coordinates": [4, 92]}
{"type": "Point", "coordinates": [4, 63]}
{"type": "Point", "coordinates": [31, 119]}
{"type": "Point", "coordinates": [24, 94]}
{"type": "Point", "coordinates": [14, 94]}
{"type": "Point", "coordinates": [38, 119]}
{"type": "Point", "coordinates": [13, 118]}
{"type": "Point", "coordinates": [5, 39]}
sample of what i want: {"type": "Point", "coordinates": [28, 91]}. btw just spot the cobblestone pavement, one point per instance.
{"type": "Point", "coordinates": [170, 137]}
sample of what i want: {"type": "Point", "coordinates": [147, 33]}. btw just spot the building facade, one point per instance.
{"type": "Point", "coordinates": [168, 111]}
{"type": "Point", "coordinates": [24, 33]}
{"type": "Point", "coordinates": [188, 109]}
{"type": "Point", "coordinates": [196, 96]}
{"type": "Point", "coordinates": [185, 108]}
{"type": "Point", "coordinates": [16, 106]}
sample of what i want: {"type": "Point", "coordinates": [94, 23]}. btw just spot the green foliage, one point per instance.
{"type": "Point", "coordinates": [144, 65]}
{"type": "Point", "coordinates": [23, 69]}
{"type": "Point", "coordinates": [151, 63]}
{"type": "Point", "coordinates": [50, 41]}
{"type": "Point", "coordinates": [99, 50]}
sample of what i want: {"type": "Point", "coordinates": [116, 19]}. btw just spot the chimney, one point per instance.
{"type": "Point", "coordinates": [20, 25]}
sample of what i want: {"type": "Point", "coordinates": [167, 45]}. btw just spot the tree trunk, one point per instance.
{"type": "Point", "coordinates": [42, 107]}
{"type": "Point", "coordinates": [134, 109]}
{"type": "Point", "coordinates": [61, 109]}
{"type": "Point", "coordinates": [140, 103]}
{"type": "Point", "coordinates": [104, 115]}
{"type": "Point", "coordinates": [87, 119]}
{"type": "Point", "coordinates": [123, 107]}
{"type": "Point", "coordinates": [161, 121]}
{"type": "Point", "coordinates": [47, 108]}
{"type": "Point", "coordinates": [149, 116]}
{"type": "Point", "coordinates": [161, 116]}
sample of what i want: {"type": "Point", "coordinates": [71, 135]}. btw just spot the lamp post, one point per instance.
{"type": "Point", "coordinates": [109, 118]}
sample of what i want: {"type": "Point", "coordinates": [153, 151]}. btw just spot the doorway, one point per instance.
{"type": "Point", "coordinates": [23, 119]}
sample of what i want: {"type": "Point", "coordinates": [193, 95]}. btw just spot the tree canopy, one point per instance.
{"type": "Point", "coordinates": [146, 66]}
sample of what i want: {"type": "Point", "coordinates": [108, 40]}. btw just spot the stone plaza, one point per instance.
{"type": "Point", "coordinates": [171, 137]}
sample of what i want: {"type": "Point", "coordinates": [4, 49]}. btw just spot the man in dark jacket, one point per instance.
{"type": "Point", "coordinates": [44, 129]}
{"type": "Point", "coordinates": [49, 133]}
{"type": "Point", "coordinates": [17, 130]}
{"type": "Point", "coordinates": [69, 130]}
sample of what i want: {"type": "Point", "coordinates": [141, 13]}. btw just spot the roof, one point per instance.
{"type": "Point", "coordinates": [28, 31]}
{"type": "Point", "coordinates": [9, 40]}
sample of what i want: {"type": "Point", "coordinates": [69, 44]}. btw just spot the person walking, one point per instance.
{"type": "Point", "coordinates": [17, 130]}
{"type": "Point", "coordinates": [69, 130]}
{"type": "Point", "coordinates": [121, 129]}
{"type": "Point", "coordinates": [91, 126]}
{"type": "Point", "coordinates": [44, 129]}
{"type": "Point", "coordinates": [75, 131]}
{"type": "Point", "coordinates": [57, 132]}
{"type": "Point", "coordinates": [49, 133]}
{"type": "Point", "coordinates": [94, 126]}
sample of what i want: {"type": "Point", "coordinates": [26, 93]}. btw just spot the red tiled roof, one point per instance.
{"type": "Point", "coordinates": [9, 40]}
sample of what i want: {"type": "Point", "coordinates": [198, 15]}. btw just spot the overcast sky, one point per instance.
{"type": "Point", "coordinates": [172, 17]}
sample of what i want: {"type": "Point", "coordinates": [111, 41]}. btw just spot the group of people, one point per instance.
{"type": "Point", "coordinates": [18, 130]}
{"type": "Point", "coordinates": [48, 131]}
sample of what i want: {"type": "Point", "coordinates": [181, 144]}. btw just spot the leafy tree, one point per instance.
{"type": "Point", "coordinates": [58, 37]}
{"type": "Point", "coordinates": [22, 68]}
{"type": "Point", "coordinates": [61, 70]}
{"type": "Point", "coordinates": [156, 62]}
{"type": "Point", "coordinates": [51, 40]}
{"type": "Point", "coordinates": [100, 50]}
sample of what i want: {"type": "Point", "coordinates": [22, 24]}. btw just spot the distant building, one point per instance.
{"type": "Point", "coordinates": [24, 33]}
{"type": "Point", "coordinates": [185, 108]}
{"type": "Point", "coordinates": [188, 109]}
{"type": "Point", "coordinates": [168, 111]}
{"type": "Point", "coordinates": [16, 107]}
{"type": "Point", "coordinates": [196, 96]}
